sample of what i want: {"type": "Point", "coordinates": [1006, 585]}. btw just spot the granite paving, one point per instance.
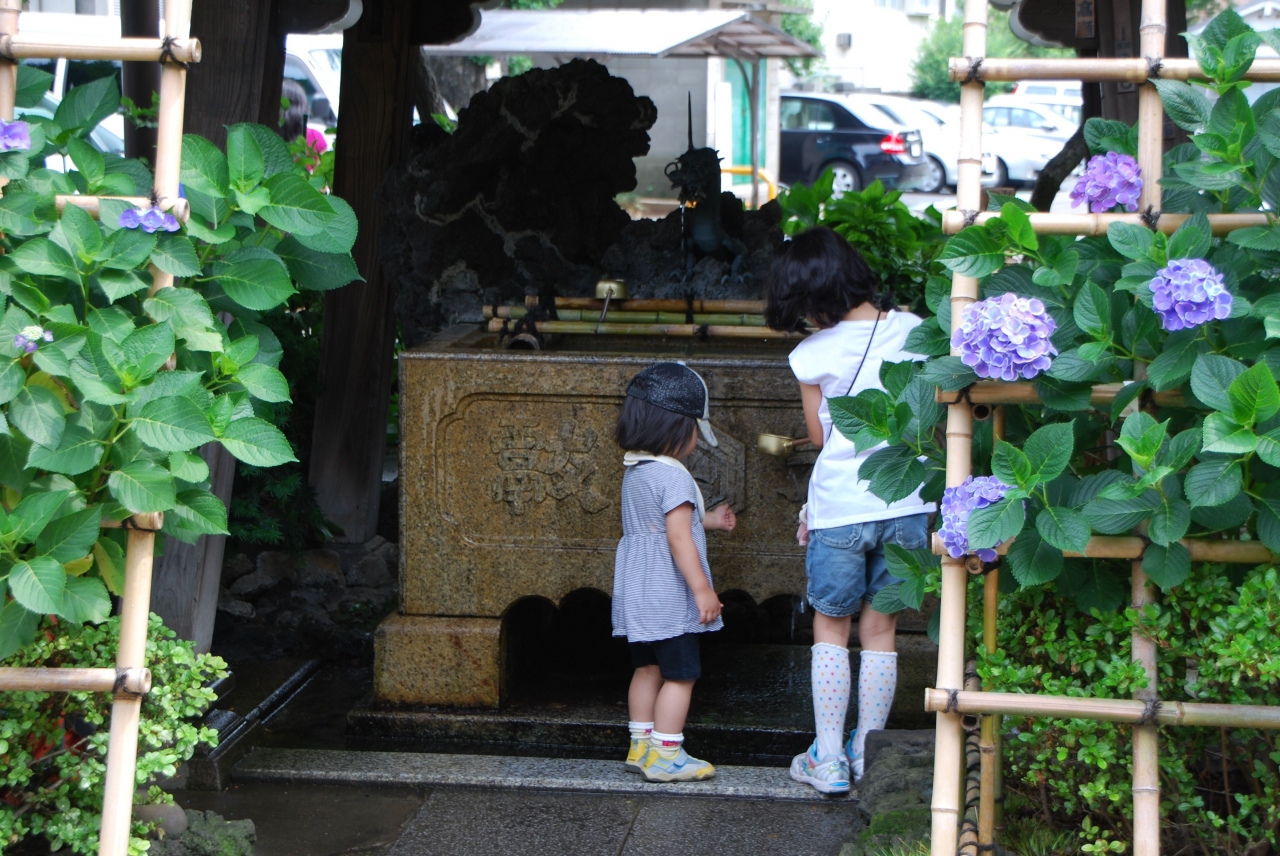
{"type": "Point", "coordinates": [414, 769]}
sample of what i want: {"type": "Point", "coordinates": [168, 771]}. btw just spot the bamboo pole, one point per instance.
{"type": "Point", "coordinates": [9, 11]}
{"type": "Point", "coordinates": [712, 331]}
{"type": "Point", "coordinates": [122, 748]}
{"type": "Point", "coordinates": [990, 758]}
{"type": "Point", "coordinates": [633, 317]}
{"type": "Point", "coordinates": [60, 680]}
{"type": "Point", "coordinates": [173, 100]}
{"type": "Point", "coordinates": [1146, 759]}
{"type": "Point", "coordinates": [1093, 225]}
{"type": "Point", "coordinates": [1230, 552]}
{"type": "Point", "coordinates": [1101, 69]}
{"type": "Point", "coordinates": [1170, 713]}
{"type": "Point", "coordinates": [1024, 392]}
{"type": "Point", "coordinates": [945, 807]}
{"type": "Point", "coordinates": [750, 307]}
{"type": "Point", "coordinates": [23, 46]}
{"type": "Point", "coordinates": [176, 205]}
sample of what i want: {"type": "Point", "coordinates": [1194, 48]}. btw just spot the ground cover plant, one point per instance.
{"type": "Point", "coordinates": [1188, 324]}
{"type": "Point", "coordinates": [108, 390]}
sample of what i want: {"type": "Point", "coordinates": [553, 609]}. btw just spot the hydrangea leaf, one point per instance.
{"type": "Point", "coordinates": [17, 624]}
{"type": "Point", "coordinates": [1094, 586]}
{"type": "Point", "coordinates": [38, 414]}
{"type": "Point", "coordinates": [997, 522]}
{"type": "Point", "coordinates": [972, 252]}
{"type": "Point", "coordinates": [245, 165]}
{"type": "Point", "coordinates": [188, 467]}
{"type": "Point", "coordinates": [1131, 241]}
{"type": "Point", "coordinates": [85, 600]}
{"type": "Point", "coordinates": [263, 382]}
{"type": "Point", "coordinates": [201, 511]}
{"type": "Point", "coordinates": [275, 153]}
{"type": "Point", "coordinates": [204, 167]}
{"type": "Point", "coordinates": [1032, 560]}
{"type": "Point", "coordinates": [1254, 395]}
{"type": "Point", "coordinates": [1211, 377]}
{"type": "Point", "coordinates": [43, 257]}
{"type": "Point", "coordinates": [116, 284]}
{"type": "Point", "coordinates": [78, 452]}
{"type": "Point", "coordinates": [1065, 528]}
{"type": "Point", "coordinates": [172, 424]}
{"type": "Point", "coordinates": [1170, 519]}
{"type": "Point", "coordinates": [88, 104]}
{"type": "Point", "coordinates": [255, 278]}
{"type": "Point", "coordinates": [109, 559]}
{"type": "Point", "coordinates": [317, 271]}
{"type": "Point", "coordinates": [174, 254]}
{"type": "Point", "coordinates": [1116, 516]}
{"type": "Point", "coordinates": [296, 206]}
{"type": "Point", "coordinates": [38, 585]}
{"type": "Point", "coordinates": [258, 442]}
{"type": "Point", "coordinates": [1213, 482]}
{"type": "Point", "coordinates": [33, 83]}
{"type": "Point", "coordinates": [12, 379]}
{"type": "Point", "coordinates": [125, 249]}
{"type": "Point", "coordinates": [141, 486]}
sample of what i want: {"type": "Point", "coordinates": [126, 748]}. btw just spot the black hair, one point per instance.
{"type": "Point", "coordinates": [820, 276]}
{"type": "Point", "coordinates": [293, 119]}
{"type": "Point", "coordinates": [645, 427]}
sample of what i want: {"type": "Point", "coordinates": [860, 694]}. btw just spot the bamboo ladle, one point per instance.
{"type": "Point", "coordinates": [778, 446]}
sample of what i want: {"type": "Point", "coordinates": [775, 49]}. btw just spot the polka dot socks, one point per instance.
{"type": "Point", "coordinates": [877, 680]}
{"type": "Point", "coordinates": [832, 685]}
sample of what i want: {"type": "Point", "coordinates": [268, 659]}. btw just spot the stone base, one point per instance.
{"type": "Point", "coordinates": [427, 660]}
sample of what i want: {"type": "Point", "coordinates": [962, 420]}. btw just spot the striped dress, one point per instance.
{"type": "Point", "coordinates": [651, 600]}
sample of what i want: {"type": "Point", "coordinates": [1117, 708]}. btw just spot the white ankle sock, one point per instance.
{"type": "Point", "coordinates": [877, 680]}
{"type": "Point", "coordinates": [666, 745]}
{"type": "Point", "coordinates": [639, 730]}
{"type": "Point", "coordinates": [831, 678]}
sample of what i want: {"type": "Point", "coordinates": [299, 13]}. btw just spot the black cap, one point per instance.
{"type": "Point", "coordinates": [678, 388]}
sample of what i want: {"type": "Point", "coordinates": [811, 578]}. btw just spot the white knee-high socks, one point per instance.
{"type": "Point", "coordinates": [832, 686]}
{"type": "Point", "coordinates": [877, 680]}
{"type": "Point", "coordinates": [832, 683]}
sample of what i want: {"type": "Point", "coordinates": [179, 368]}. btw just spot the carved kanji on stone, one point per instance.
{"type": "Point", "coordinates": [535, 464]}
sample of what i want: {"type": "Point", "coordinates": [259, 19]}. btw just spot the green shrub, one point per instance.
{"type": "Point", "coordinates": [901, 247]}
{"type": "Point", "coordinates": [1217, 641]}
{"type": "Point", "coordinates": [53, 746]}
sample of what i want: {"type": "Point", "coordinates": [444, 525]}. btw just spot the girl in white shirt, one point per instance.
{"type": "Point", "coordinates": [819, 277]}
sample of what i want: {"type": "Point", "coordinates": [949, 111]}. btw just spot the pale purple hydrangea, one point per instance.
{"type": "Point", "coordinates": [1006, 337]}
{"type": "Point", "coordinates": [1189, 292]}
{"type": "Point", "coordinates": [29, 338]}
{"type": "Point", "coordinates": [1109, 180]}
{"type": "Point", "coordinates": [150, 220]}
{"type": "Point", "coordinates": [961, 501]}
{"type": "Point", "coordinates": [14, 136]}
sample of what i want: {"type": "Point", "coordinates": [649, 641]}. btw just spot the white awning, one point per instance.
{"type": "Point", "coordinates": [626, 32]}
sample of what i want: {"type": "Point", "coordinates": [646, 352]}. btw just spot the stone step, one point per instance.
{"type": "Point", "coordinates": [420, 769]}
{"type": "Point", "coordinates": [752, 706]}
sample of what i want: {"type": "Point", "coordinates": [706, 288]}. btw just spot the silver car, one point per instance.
{"type": "Point", "coordinates": [1024, 136]}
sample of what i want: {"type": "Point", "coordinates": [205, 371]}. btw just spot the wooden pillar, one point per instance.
{"type": "Point", "coordinates": [140, 79]}
{"type": "Point", "coordinates": [238, 80]}
{"type": "Point", "coordinates": [356, 362]}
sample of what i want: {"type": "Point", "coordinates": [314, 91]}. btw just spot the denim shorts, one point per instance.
{"type": "Point", "coordinates": [677, 659]}
{"type": "Point", "coordinates": [846, 565]}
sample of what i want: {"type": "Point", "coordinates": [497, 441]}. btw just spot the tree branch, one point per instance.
{"type": "Point", "coordinates": [1057, 169]}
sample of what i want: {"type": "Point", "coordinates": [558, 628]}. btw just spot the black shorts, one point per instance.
{"type": "Point", "coordinates": [678, 658]}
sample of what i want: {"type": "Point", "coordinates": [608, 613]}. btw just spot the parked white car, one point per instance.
{"type": "Point", "coordinates": [315, 62]}
{"type": "Point", "coordinates": [1024, 137]}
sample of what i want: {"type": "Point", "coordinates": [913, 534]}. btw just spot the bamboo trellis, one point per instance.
{"type": "Point", "coordinates": [130, 680]}
{"type": "Point", "coordinates": [952, 698]}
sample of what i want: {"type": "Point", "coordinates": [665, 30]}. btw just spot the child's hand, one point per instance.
{"type": "Point", "coordinates": [721, 517]}
{"type": "Point", "coordinates": [802, 534]}
{"type": "Point", "coordinates": [709, 605]}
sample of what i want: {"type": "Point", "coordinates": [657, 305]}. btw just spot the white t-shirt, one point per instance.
{"type": "Point", "coordinates": [828, 359]}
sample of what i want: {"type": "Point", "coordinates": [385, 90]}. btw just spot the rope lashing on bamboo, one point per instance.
{"type": "Point", "coordinates": [1154, 64]}
{"type": "Point", "coordinates": [166, 52]}
{"type": "Point", "coordinates": [953, 701]}
{"type": "Point", "coordinates": [1151, 218]}
{"type": "Point", "coordinates": [962, 395]}
{"type": "Point", "coordinates": [970, 217]}
{"type": "Point", "coordinates": [1150, 711]}
{"type": "Point", "coordinates": [975, 69]}
{"type": "Point", "coordinates": [688, 312]}
{"type": "Point", "coordinates": [132, 682]}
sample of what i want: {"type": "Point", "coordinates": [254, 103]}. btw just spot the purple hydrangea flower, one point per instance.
{"type": "Point", "coordinates": [1109, 180]}
{"type": "Point", "coordinates": [29, 338]}
{"type": "Point", "coordinates": [1006, 337]}
{"type": "Point", "coordinates": [961, 501]}
{"type": "Point", "coordinates": [1189, 292]}
{"type": "Point", "coordinates": [14, 136]}
{"type": "Point", "coordinates": [151, 220]}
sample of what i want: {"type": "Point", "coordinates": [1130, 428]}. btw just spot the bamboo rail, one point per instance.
{"type": "Point", "coordinates": [1094, 225]}
{"type": "Point", "coordinates": [1102, 69]}
{"type": "Point", "coordinates": [177, 206]}
{"type": "Point", "coordinates": [1168, 713]}
{"type": "Point", "coordinates": [750, 307]}
{"type": "Point", "coordinates": [989, 736]}
{"type": "Point", "coordinates": [1229, 552]}
{"type": "Point", "coordinates": [714, 331]}
{"type": "Point", "coordinates": [65, 680]}
{"type": "Point", "coordinates": [130, 680]}
{"type": "Point", "coordinates": [21, 47]}
{"type": "Point", "coordinates": [1024, 392]}
{"type": "Point", "coordinates": [633, 317]}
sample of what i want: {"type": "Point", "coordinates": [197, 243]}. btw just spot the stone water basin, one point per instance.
{"type": "Point", "coordinates": [510, 481]}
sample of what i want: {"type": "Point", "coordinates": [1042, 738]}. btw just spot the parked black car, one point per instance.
{"type": "Point", "coordinates": [821, 132]}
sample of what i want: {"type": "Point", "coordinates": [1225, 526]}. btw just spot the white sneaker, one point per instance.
{"type": "Point", "coordinates": [829, 775]}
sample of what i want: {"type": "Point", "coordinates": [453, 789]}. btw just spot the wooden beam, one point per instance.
{"type": "Point", "coordinates": [356, 362]}
{"type": "Point", "coordinates": [238, 80]}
